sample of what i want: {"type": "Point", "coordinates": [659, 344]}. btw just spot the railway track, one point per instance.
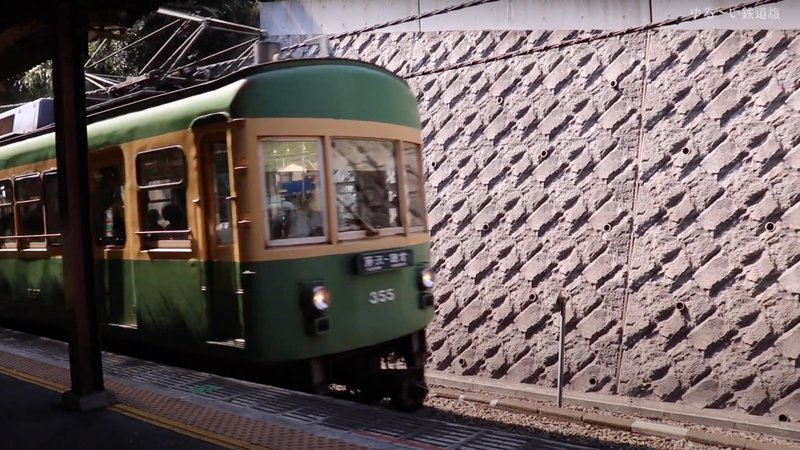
{"type": "Point", "coordinates": [591, 427]}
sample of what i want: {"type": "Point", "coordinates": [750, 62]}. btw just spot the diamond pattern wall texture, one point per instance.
{"type": "Point", "coordinates": [652, 180]}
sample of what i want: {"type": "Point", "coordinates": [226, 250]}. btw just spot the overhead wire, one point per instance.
{"type": "Point", "coordinates": [95, 52]}
{"type": "Point", "coordinates": [127, 46]}
{"type": "Point", "coordinates": [221, 52]}
{"type": "Point", "coordinates": [181, 28]}
{"type": "Point", "coordinates": [394, 22]}
{"type": "Point", "coordinates": [212, 23]}
{"type": "Point", "coordinates": [592, 38]}
{"type": "Point", "coordinates": [186, 18]}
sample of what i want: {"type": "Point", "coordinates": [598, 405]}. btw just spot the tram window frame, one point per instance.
{"type": "Point", "coordinates": [162, 238]}
{"type": "Point", "coordinates": [25, 239]}
{"type": "Point", "coordinates": [400, 229]}
{"type": "Point", "coordinates": [9, 241]}
{"type": "Point", "coordinates": [321, 193]}
{"type": "Point", "coordinates": [405, 146]}
{"type": "Point", "coordinates": [53, 237]}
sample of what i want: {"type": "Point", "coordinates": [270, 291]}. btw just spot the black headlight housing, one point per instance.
{"type": "Point", "coordinates": [426, 280]}
{"type": "Point", "coordinates": [315, 301]}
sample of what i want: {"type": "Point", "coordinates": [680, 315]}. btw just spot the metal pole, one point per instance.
{"type": "Point", "coordinates": [229, 49]}
{"type": "Point", "coordinates": [238, 59]}
{"type": "Point", "coordinates": [181, 27]}
{"type": "Point", "coordinates": [181, 46]}
{"type": "Point", "coordinates": [86, 371]}
{"type": "Point", "coordinates": [192, 39]}
{"type": "Point", "coordinates": [90, 80]}
{"type": "Point", "coordinates": [130, 45]}
{"type": "Point", "coordinates": [562, 304]}
{"type": "Point", "coordinates": [96, 51]}
{"type": "Point", "coordinates": [98, 80]}
{"type": "Point", "coordinates": [216, 24]}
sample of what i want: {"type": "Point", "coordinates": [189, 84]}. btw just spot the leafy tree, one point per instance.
{"type": "Point", "coordinates": [210, 41]}
{"type": "Point", "coordinates": [37, 82]}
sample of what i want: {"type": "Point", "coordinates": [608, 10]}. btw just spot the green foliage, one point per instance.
{"type": "Point", "coordinates": [211, 41]}
{"type": "Point", "coordinates": [37, 82]}
{"type": "Point", "coordinates": [118, 64]}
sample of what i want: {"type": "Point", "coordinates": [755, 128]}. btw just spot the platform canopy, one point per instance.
{"type": "Point", "coordinates": [26, 31]}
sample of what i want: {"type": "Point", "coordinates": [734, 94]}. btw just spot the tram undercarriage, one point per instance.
{"type": "Point", "coordinates": [393, 370]}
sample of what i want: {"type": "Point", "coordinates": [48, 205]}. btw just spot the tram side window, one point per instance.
{"type": "Point", "coordinates": [30, 211]}
{"type": "Point", "coordinates": [365, 176]}
{"type": "Point", "coordinates": [51, 208]}
{"type": "Point", "coordinates": [414, 185]}
{"type": "Point", "coordinates": [295, 191]}
{"type": "Point", "coordinates": [108, 205]}
{"type": "Point", "coordinates": [160, 175]}
{"type": "Point", "coordinates": [7, 228]}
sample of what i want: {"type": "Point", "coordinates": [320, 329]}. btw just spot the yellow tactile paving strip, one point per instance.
{"type": "Point", "coordinates": [218, 427]}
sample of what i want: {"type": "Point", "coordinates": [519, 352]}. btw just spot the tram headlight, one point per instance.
{"type": "Point", "coordinates": [427, 278]}
{"type": "Point", "coordinates": [315, 301]}
{"type": "Point", "coordinates": [320, 298]}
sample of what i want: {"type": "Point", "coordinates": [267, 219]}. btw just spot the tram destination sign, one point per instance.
{"type": "Point", "coordinates": [381, 261]}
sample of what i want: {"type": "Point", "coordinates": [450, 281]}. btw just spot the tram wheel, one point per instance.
{"type": "Point", "coordinates": [411, 396]}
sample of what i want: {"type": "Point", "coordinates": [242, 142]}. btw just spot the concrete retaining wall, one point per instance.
{"type": "Point", "coordinates": [654, 180]}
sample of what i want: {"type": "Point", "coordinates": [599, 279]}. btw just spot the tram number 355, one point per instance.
{"type": "Point", "coordinates": [381, 296]}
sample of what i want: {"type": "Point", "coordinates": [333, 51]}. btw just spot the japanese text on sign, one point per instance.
{"type": "Point", "coordinates": [376, 262]}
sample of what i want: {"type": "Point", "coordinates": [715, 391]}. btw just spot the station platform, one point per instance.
{"type": "Point", "coordinates": [31, 418]}
{"type": "Point", "coordinates": [162, 407]}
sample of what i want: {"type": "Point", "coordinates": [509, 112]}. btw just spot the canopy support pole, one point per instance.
{"type": "Point", "coordinates": [69, 56]}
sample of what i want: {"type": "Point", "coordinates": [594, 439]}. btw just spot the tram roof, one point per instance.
{"type": "Point", "coordinates": [309, 88]}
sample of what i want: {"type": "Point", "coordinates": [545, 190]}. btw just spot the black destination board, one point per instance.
{"type": "Point", "coordinates": [382, 261]}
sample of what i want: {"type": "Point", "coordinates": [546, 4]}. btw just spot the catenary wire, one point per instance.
{"type": "Point", "coordinates": [592, 38]}
{"type": "Point", "coordinates": [391, 23]}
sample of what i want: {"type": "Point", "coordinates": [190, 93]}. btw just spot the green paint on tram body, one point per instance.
{"type": "Point", "coordinates": [354, 321]}
{"type": "Point", "coordinates": [163, 298]}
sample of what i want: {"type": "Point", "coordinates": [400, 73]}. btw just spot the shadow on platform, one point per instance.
{"type": "Point", "coordinates": [32, 418]}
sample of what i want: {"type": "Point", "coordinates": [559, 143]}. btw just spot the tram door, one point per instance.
{"type": "Point", "coordinates": [222, 281]}
{"type": "Point", "coordinates": [106, 186]}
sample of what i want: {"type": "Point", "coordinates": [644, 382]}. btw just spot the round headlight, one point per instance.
{"type": "Point", "coordinates": [321, 298]}
{"type": "Point", "coordinates": [427, 278]}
